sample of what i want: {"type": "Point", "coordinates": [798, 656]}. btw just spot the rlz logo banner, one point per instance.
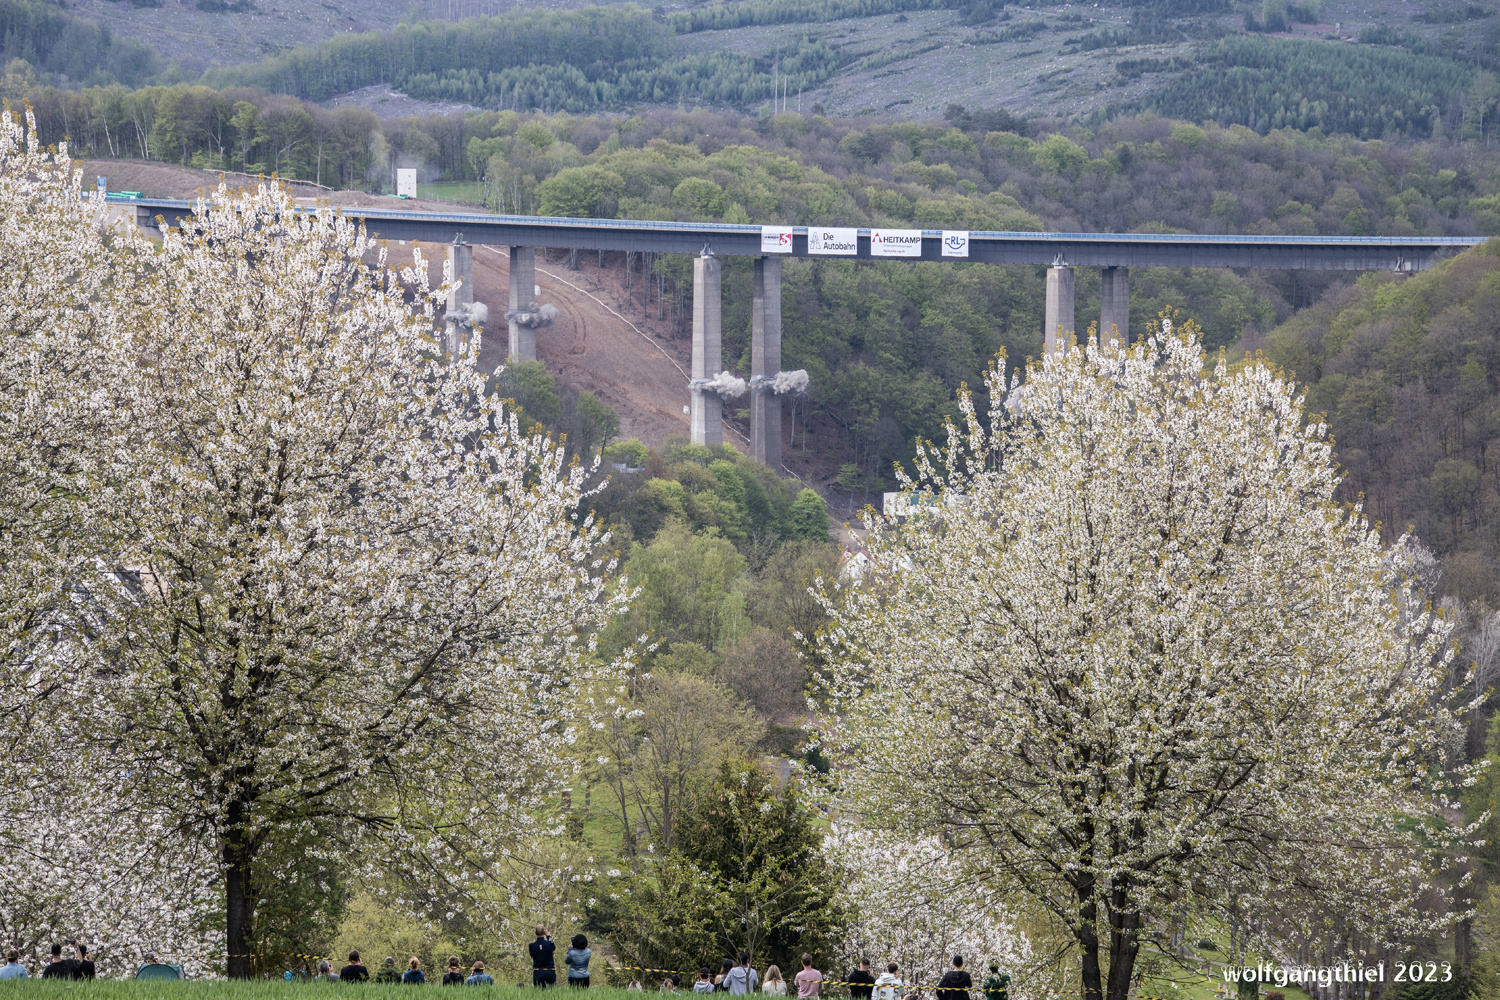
{"type": "Point", "coordinates": [955, 244]}
{"type": "Point", "coordinates": [844, 242]}
{"type": "Point", "coordinates": [775, 239]}
{"type": "Point", "coordinates": [895, 243]}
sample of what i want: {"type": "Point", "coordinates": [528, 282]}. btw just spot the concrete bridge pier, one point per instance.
{"type": "Point", "coordinates": [707, 409]}
{"type": "Point", "coordinates": [1057, 334]}
{"type": "Point", "coordinates": [522, 296]}
{"type": "Point", "coordinates": [460, 268]}
{"type": "Point", "coordinates": [1114, 306]}
{"type": "Point", "coordinates": [765, 360]}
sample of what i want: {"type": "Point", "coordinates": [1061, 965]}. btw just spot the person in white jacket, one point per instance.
{"type": "Point", "coordinates": [888, 984]}
{"type": "Point", "coordinates": [742, 979]}
{"type": "Point", "coordinates": [774, 986]}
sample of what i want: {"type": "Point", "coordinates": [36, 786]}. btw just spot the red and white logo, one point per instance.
{"type": "Point", "coordinates": [895, 243]}
{"type": "Point", "coordinates": [775, 239]}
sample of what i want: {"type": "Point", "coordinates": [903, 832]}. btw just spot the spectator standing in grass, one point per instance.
{"type": "Point", "coordinates": [996, 984]}
{"type": "Point", "coordinates": [809, 980]}
{"type": "Point", "coordinates": [388, 973]}
{"type": "Point", "coordinates": [354, 972]}
{"type": "Point", "coordinates": [956, 983]}
{"type": "Point", "coordinates": [85, 967]}
{"type": "Point", "coordinates": [13, 969]}
{"type": "Point", "coordinates": [453, 977]}
{"type": "Point", "coordinates": [889, 984]}
{"type": "Point", "coordinates": [59, 967]}
{"type": "Point", "coordinates": [543, 971]}
{"type": "Point", "coordinates": [414, 976]}
{"type": "Point", "coordinates": [774, 986]}
{"type": "Point", "coordinates": [861, 983]}
{"type": "Point", "coordinates": [704, 984]}
{"type": "Point", "coordinates": [577, 960]}
{"type": "Point", "coordinates": [480, 977]}
{"type": "Point", "coordinates": [742, 979]}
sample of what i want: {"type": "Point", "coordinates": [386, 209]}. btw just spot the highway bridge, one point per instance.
{"type": "Point", "coordinates": [1113, 253]}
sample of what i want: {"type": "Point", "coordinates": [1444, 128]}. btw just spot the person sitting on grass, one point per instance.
{"type": "Point", "coordinates": [480, 977]}
{"type": "Point", "coordinates": [59, 967]}
{"type": "Point", "coordinates": [13, 969]}
{"type": "Point", "coordinates": [354, 972]}
{"type": "Point", "coordinates": [453, 977]}
{"type": "Point", "coordinates": [704, 983]}
{"type": "Point", "coordinates": [413, 976]}
{"type": "Point", "coordinates": [670, 984]}
{"type": "Point", "coordinates": [388, 973]}
{"type": "Point", "coordinates": [325, 971]}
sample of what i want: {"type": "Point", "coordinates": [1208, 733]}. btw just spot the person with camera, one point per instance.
{"type": "Point", "coordinates": [543, 969]}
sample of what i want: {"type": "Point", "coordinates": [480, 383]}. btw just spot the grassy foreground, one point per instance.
{"type": "Point", "coordinates": [271, 989]}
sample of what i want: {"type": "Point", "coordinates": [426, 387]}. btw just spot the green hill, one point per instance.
{"type": "Point", "coordinates": [1371, 76]}
{"type": "Point", "coordinates": [1405, 368]}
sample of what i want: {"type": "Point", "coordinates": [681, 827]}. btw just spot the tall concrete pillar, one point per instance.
{"type": "Point", "coordinates": [460, 268]}
{"type": "Point", "coordinates": [522, 296]}
{"type": "Point", "coordinates": [765, 359]}
{"type": "Point", "coordinates": [708, 344]}
{"type": "Point", "coordinates": [1114, 306]}
{"type": "Point", "coordinates": [1060, 327]}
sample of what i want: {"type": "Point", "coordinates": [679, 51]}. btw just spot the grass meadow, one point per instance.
{"type": "Point", "coordinates": [269, 989]}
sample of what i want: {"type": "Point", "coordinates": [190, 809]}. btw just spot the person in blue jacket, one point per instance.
{"type": "Point", "coordinates": [578, 961]}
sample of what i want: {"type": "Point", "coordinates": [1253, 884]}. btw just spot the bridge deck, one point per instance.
{"type": "Point", "coordinates": [1351, 253]}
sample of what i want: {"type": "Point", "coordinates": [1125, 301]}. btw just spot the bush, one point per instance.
{"type": "Point", "coordinates": [809, 515]}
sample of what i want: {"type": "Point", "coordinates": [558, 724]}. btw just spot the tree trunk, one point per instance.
{"type": "Point", "coordinates": [1124, 940]}
{"type": "Point", "coordinates": [1092, 983]}
{"type": "Point", "coordinates": [238, 909]}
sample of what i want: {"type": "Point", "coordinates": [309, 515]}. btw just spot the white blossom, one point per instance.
{"type": "Point", "coordinates": [1138, 663]}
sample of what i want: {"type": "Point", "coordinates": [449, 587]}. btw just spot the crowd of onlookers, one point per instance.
{"type": "Point", "coordinates": [739, 979]}
{"type": "Point", "coordinates": [735, 977]}
{"type": "Point", "coordinates": [74, 966]}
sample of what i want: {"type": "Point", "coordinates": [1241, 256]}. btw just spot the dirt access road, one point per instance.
{"type": "Point", "coordinates": [598, 343]}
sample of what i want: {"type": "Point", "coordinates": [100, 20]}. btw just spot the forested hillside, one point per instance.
{"type": "Point", "coordinates": [1371, 79]}
{"type": "Point", "coordinates": [69, 50]}
{"type": "Point", "coordinates": [1405, 368]}
{"type": "Point", "coordinates": [576, 61]}
{"type": "Point", "coordinates": [1364, 91]}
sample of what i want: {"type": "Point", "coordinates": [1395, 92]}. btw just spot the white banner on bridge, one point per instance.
{"type": "Point", "coordinates": [842, 242]}
{"type": "Point", "coordinates": [895, 243]}
{"type": "Point", "coordinates": [955, 243]}
{"type": "Point", "coordinates": [775, 239]}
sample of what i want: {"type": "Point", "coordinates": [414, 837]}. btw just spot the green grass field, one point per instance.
{"type": "Point", "coordinates": [468, 192]}
{"type": "Point", "coordinates": [1174, 985]}
{"type": "Point", "coordinates": [274, 989]}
